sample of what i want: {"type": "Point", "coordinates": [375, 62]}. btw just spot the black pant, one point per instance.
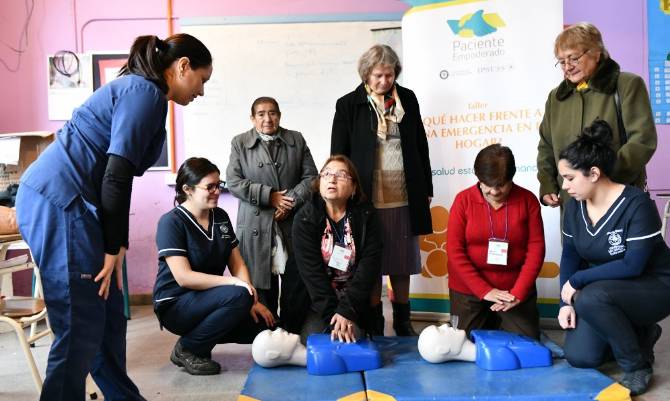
{"type": "Point", "coordinates": [294, 301]}
{"type": "Point", "coordinates": [203, 319]}
{"type": "Point", "coordinates": [610, 314]}
{"type": "Point", "coordinates": [475, 314]}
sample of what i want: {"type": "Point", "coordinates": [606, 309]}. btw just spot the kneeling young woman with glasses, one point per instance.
{"type": "Point", "coordinates": [192, 297]}
{"type": "Point", "coordinates": [337, 244]}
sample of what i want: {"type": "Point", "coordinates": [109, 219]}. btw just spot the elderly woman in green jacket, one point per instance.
{"type": "Point", "coordinates": [589, 91]}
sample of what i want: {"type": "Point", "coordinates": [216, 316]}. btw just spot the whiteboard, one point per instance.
{"type": "Point", "coordinates": [305, 66]}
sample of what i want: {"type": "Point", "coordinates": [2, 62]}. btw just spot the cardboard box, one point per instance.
{"type": "Point", "coordinates": [31, 144]}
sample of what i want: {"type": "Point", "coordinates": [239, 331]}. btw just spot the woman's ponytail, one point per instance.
{"type": "Point", "coordinates": [150, 56]}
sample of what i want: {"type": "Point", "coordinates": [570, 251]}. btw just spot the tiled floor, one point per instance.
{"type": "Point", "coordinates": [159, 380]}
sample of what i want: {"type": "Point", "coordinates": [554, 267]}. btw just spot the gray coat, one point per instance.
{"type": "Point", "coordinates": [251, 177]}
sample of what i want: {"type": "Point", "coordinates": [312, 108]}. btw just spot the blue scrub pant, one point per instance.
{"type": "Point", "coordinates": [203, 319]}
{"type": "Point", "coordinates": [90, 332]}
{"type": "Point", "coordinates": [613, 317]}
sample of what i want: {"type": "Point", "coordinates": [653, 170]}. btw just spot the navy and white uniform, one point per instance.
{"type": "Point", "coordinates": [209, 317]}
{"type": "Point", "coordinates": [621, 265]}
{"type": "Point", "coordinates": [58, 207]}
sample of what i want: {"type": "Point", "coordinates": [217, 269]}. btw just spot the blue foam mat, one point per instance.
{"type": "Point", "coordinates": [293, 383]}
{"type": "Point", "coordinates": [407, 377]}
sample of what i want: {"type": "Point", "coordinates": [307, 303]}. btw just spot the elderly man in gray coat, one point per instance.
{"type": "Point", "coordinates": [270, 172]}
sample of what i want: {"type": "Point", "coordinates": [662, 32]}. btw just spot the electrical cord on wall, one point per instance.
{"type": "Point", "coordinates": [23, 38]}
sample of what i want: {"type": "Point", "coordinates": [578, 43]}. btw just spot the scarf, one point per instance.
{"type": "Point", "coordinates": [387, 107]}
{"type": "Point", "coordinates": [582, 86]}
{"type": "Point", "coordinates": [338, 278]}
{"type": "Point", "coordinates": [265, 137]}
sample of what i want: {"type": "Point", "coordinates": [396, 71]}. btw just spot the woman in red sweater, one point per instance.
{"type": "Point", "coordinates": [495, 249]}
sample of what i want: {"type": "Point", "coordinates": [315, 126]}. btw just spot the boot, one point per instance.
{"type": "Point", "coordinates": [401, 322]}
{"type": "Point", "coordinates": [377, 321]}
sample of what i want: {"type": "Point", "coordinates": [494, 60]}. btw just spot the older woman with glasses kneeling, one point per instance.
{"type": "Point", "coordinates": [192, 297]}
{"type": "Point", "coordinates": [495, 249]}
{"type": "Point", "coordinates": [337, 243]}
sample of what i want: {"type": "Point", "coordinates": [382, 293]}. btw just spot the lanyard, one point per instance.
{"type": "Point", "coordinates": [491, 221]}
{"type": "Point", "coordinates": [339, 238]}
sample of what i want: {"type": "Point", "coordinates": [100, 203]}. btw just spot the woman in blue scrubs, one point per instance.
{"type": "Point", "coordinates": [73, 205]}
{"type": "Point", "coordinates": [192, 297]}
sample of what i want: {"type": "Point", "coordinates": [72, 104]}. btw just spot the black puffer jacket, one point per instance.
{"type": "Point", "coordinates": [308, 227]}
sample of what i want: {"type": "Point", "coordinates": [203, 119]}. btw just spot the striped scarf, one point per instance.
{"type": "Point", "coordinates": [387, 107]}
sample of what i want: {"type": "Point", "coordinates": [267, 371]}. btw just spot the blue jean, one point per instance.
{"type": "Point", "coordinates": [217, 315]}
{"type": "Point", "coordinates": [89, 331]}
{"type": "Point", "coordinates": [611, 315]}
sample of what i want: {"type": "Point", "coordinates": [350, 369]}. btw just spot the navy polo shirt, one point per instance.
{"type": "Point", "coordinates": [626, 242]}
{"type": "Point", "coordinates": [207, 249]}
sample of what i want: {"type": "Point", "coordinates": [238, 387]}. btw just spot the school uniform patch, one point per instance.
{"type": "Point", "coordinates": [616, 242]}
{"type": "Point", "coordinates": [224, 231]}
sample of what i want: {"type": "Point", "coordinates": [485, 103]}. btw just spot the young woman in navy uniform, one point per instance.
{"type": "Point", "coordinates": [615, 267]}
{"type": "Point", "coordinates": [192, 297]}
{"type": "Point", "coordinates": [73, 205]}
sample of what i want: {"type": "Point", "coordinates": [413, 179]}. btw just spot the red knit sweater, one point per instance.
{"type": "Point", "coordinates": [468, 235]}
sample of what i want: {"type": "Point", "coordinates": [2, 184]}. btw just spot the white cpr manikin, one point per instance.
{"type": "Point", "coordinates": [278, 347]}
{"type": "Point", "coordinates": [445, 343]}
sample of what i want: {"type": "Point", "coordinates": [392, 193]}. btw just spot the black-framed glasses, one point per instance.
{"type": "Point", "coordinates": [570, 60]}
{"type": "Point", "coordinates": [339, 175]}
{"type": "Point", "coordinates": [213, 187]}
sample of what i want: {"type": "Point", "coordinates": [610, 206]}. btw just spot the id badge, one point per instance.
{"type": "Point", "coordinates": [497, 254]}
{"type": "Point", "coordinates": [340, 258]}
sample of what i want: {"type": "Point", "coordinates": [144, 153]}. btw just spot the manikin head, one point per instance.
{"type": "Point", "coordinates": [278, 347]}
{"type": "Point", "coordinates": [444, 343]}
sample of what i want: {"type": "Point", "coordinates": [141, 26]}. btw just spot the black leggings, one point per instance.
{"type": "Point", "coordinates": [612, 316]}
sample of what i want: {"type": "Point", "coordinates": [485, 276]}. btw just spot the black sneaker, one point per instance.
{"type": "Point", "coordinates": [195, 365]}
{"type": "Point", "coordinates": [637, 381]}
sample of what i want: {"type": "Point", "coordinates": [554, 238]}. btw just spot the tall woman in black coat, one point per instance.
{"type": "Point", "coordinates": [378, 126]}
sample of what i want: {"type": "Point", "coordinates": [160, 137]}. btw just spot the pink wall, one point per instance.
{"type": "Point", "coordinates": [52, 27]}
{"type": "Point", "coordinates": [66, 24]}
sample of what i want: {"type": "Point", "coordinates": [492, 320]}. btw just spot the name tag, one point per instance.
{"type": "Point", "coordinates": [340, 258]}
{"type": "Point", "coordinates": [497, 254]}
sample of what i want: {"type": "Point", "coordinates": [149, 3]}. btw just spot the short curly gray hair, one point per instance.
{"type": "Point", "coordinates": [582, 35]}
{"type": "Point", "coordinates": [378, 55]}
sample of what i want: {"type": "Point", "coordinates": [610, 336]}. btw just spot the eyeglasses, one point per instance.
{"type": "Point", "coordinates": [213, 187]}
{"type": "Point", "coordinates": [339, 175]}
{"type": "Point", "coordinates": [570, 60]}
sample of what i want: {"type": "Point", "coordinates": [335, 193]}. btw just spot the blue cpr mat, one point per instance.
{"type": "Point", "coordinates": [293, 383]}
{"type": "Point", "coordinates": [405, 376]}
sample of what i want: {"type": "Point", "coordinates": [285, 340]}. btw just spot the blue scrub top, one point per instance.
{"type": "Point", "coordinates": [207, 249]}
{"type": "Point", "coordinates": [125, 117]}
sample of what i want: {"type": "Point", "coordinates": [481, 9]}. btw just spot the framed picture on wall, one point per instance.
{"type": "Point", "coordinates": [69, 83]}
{"type": "Point", "coordinates": [106, 67]}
